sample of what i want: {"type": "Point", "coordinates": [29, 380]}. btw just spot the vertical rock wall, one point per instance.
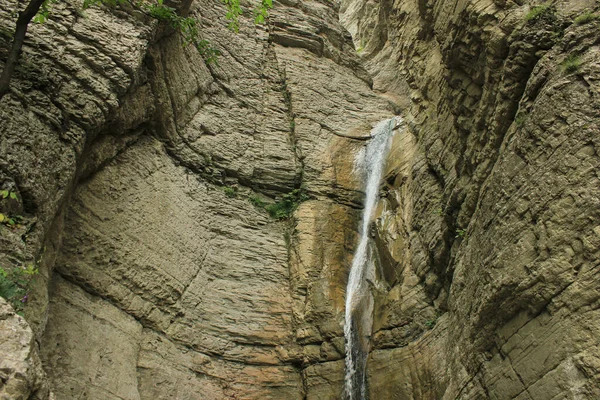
{"type": "Point", "coordinates": [140, 168]}
{"type": "Point", "coordinates": [491, 221]}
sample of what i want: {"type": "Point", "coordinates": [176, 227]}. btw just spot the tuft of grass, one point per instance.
{"type": "Point", "coordinates": [571, 63]}
{"type": "Point", "coordinates": [461, 233]}
{"type": "Point", "coordinates": [585, 18]}
{"type": "Point", "coordinates": [536, 12]}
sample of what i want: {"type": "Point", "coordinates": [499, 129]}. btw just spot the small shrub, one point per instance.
{"type": "Point", "coordinates": [229, 191]}
{"type": "Point", "coordinates": [520, 118]}
{"type": "Point", "coordinates": [289, 202]}
{"type": "Point", "coordinates": [585, 18]}
{"type": "Point", "coordinates": [571, 63]}
{"type": "Point", "coordinates": [14, 285]}
{"type": "Point", "coordinates": [537, 12]}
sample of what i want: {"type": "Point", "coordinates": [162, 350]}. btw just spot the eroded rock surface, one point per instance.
{"type": "Point", "coordinates": [165, 280]}
{"type": "Point", "coordinates": [491, 217]}
{"type": "Point", "coordinates": [138, 169]}
{"type": "Point", "coordinates": [21, 373]}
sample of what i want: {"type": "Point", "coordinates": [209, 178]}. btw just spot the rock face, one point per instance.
{"type": "Point", "coordinates": [141, 174]}
{"type": "Point", "coordinates": [491, 221]}
{"type": "Point", "coordinates": [166, 276]}
{"type": "Point", "coordinates": [21, 373]}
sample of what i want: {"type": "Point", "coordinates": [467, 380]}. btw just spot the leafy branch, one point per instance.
{"type": "Point", "coordinates": [261, 12]}
{"type": "Point", "coordinates": [186, 26]}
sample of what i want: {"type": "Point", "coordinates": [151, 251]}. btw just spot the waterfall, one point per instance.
{"type": "Point", "coordinates": [359, 299]}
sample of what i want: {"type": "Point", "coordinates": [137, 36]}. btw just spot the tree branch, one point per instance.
{"type": "Point", "coordinates": [25, 17]}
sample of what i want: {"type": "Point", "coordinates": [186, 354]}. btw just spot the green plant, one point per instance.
{"type": "Point", "coordinates": [461, 233]}
{"type": "Point", "coordinates": [585, 18]}
{"type": "Point", "coordinates": [10, 221]}
{"type": "Point", "coordinates": [229, 191]}
{"type": "Point", "coordinates": [257, 201]}
{"type": "Point", "coordinates": [571, 63]}
{"type": "Point", "coordinates": [520, 118]}
{"type": "Point", "coordinates": [289, 202]}
{"type": "Point", "coordinates": [537, 12]}
{"type": "Point", "coordinates": [8, 193]}
{"type": "Point", "coordinates": [262, 11]}
{"type": "Point", "coordinates": [44, 11]}
{"type": "Point", "coordinates": [430, 323]}
{"type": "Point", "coordinates": [14, 285]}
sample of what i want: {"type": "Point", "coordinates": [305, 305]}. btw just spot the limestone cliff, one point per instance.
{"type": "Point", "coordinates": [491, 221]}
{"type": "Point", "coordinates": [140, 171]}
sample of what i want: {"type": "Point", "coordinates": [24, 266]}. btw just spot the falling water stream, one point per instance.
{"type": "Point", "coordinates": [359, 299]}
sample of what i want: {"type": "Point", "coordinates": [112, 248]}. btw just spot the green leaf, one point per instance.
{"type": "Point", "coordinates": [13, 195]}
{"type": "Point", "coordinates": [4, 193]}
{"type": "Point", "coordinates": [40, 18]}
{"type": "Point", "coordinates": [233, 12]}
{"type": "Point", "coordinates": [2, 217]}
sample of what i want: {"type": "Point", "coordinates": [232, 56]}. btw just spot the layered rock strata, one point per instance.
{"type": "Point", "coordinates": [139, 169]}
{"type": "Point", "coordinates": [491, 222]}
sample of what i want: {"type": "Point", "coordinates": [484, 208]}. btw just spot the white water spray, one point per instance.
{"type": "Point", "coordinates": [359, 300]}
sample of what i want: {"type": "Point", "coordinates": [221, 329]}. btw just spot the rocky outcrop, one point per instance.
{"type": "Point", "coordinates": [21, 373]}
{"type": "Point", "coordinates": [492, 206]}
